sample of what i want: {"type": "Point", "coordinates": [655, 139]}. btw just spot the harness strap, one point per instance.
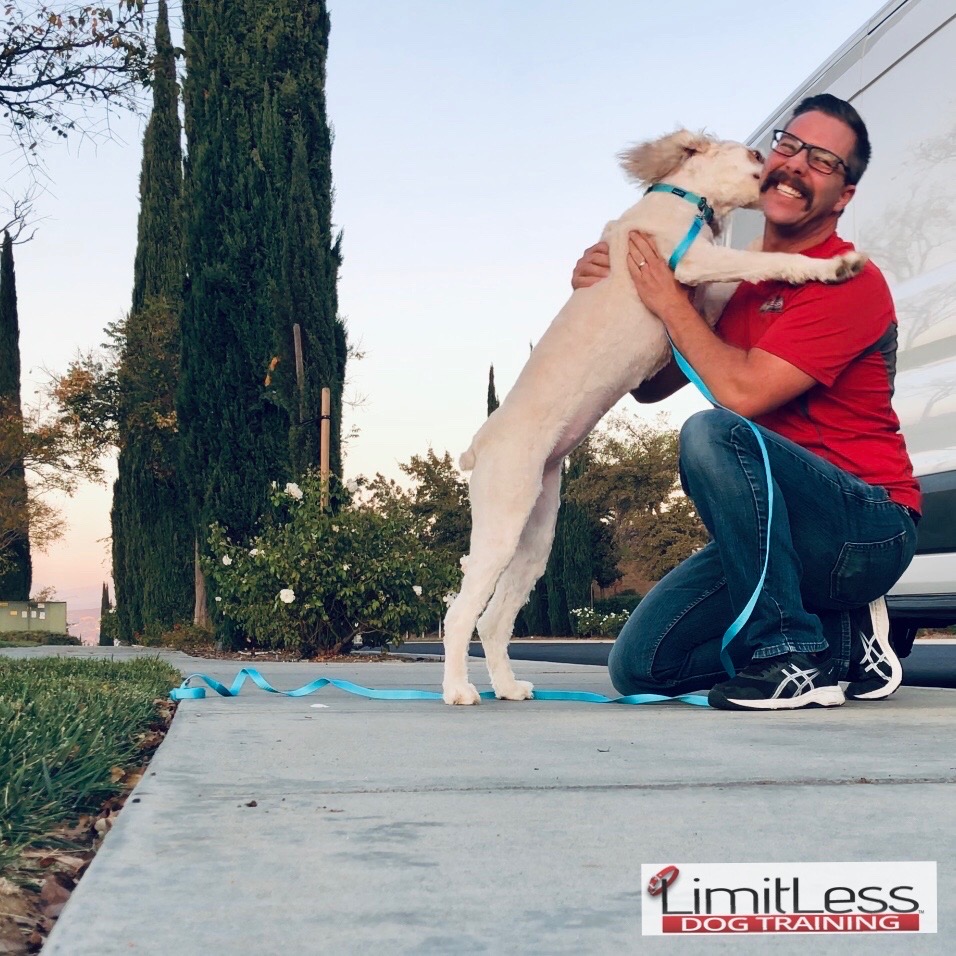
{"type": "Point", "coordinates": [705, 213]}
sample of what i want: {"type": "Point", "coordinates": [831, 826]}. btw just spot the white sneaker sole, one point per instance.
{"type": "Point", "coordinates": [881, 632]}
{"type": "Point", "coordinates": [830, 696]}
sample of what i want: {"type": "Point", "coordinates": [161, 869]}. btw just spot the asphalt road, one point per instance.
{"type": "Point", "coordinates": [929, 665]}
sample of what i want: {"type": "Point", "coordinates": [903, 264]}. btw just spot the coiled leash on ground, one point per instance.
{"type": "Point", "coordinates": [186, 692]}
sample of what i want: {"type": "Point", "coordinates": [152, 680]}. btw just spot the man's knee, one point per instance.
{"type": "Point", "coordinates": [629, 668]}
{"type": "Point", "coordinates": [703, 429]}
{"type": "Point", "coordinates": [707, 437]}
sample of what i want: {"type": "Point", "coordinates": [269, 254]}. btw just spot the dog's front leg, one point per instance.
{"type": "Point", "coordinates": [708, 263]}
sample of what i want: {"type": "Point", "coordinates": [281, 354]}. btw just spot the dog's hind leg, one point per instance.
{"type": "Point", "coordinates": [496, 625]}
{"type": "Point", "coordinates": [501, 504]}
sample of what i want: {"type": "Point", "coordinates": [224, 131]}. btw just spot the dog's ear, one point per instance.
{"type": "Point", "coordinates": [652, 161]}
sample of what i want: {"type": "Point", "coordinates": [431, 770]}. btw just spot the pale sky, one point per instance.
{"type": "Point", "coordinates": [474, 160]}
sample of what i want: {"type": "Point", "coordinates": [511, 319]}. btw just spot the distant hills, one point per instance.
{"type": "Point", "coordinates": [84, 623]}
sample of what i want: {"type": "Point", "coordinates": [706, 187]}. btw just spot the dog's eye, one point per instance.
{"type": "Point", "coordinates": [757, 155]}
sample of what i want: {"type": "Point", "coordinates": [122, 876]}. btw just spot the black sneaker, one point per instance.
{"type": "Point", "coordinates": [875, 670]}
{"type": "Point", "coordinates": [787, 682]}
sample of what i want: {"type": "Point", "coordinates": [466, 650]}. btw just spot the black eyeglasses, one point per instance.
{"type": "Point", "coordinates": [818, 158]}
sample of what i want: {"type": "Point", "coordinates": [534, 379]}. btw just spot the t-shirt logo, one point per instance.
{"type": "Point", "coordinates": [773, 304]}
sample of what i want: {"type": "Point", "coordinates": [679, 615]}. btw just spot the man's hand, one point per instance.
{"type": "Point", "coordinates": [592, 267]}
{"type": "Point", "coordinates": [653, 279]}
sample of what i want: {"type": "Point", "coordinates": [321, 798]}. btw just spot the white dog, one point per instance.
{"type": "Point", "coordinates": [601, 345]}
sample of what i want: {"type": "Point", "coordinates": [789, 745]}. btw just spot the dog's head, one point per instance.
{"type": "Point", "coordinates": [727, 173]}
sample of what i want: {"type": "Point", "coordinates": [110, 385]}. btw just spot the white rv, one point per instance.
{"type": "Point", "coordinates": [898, 71]}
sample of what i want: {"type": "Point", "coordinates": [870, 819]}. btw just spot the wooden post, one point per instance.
{"type": "Point", "coordinates": [201, 616]}
{"type": "Point", "coordinates": [299, 369]}
{"type": "Point", "coordinates": [325, 437]}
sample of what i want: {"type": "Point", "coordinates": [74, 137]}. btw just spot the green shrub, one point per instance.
{"type": "Point", "coordinates": [188, 637]}
{"type": "Point", "coordinates": [109, 628]}
{"type": "Point", "coordinates": [20, 638]}
{"type": "Point", "coordinates": [33, 638]}
{"type": "Point", "coordinates": [61, 640]}
{"type": "Point", "coordinates": [314, 580]}
{"type": "Point", "coordinates": [625, 602]}
{"type": "Point", "coordinates": [606, 617]}
{"type": "Point", "coordinates": [591, 623]}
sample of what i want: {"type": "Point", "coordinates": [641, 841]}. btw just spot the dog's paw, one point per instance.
{"type": "Point", "coordinates": [460, 694]}
{"type": "Point", "coordinates": [848, 265]}
{"type": "Point", "coordinates": [515, 690]}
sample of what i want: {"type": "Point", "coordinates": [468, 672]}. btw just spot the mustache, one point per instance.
{"type": "Point", "coordinates": [779, 176]}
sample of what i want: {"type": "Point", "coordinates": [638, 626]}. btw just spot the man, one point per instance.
{"type": "Point", "coordinates": [813, 367]}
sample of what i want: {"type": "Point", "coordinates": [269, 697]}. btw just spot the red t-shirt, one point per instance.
{"type": "Point", "coordinates": [843, 336]}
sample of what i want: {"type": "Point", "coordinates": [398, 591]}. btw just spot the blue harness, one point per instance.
{"type": "Point", "coordinates": [705, 213]}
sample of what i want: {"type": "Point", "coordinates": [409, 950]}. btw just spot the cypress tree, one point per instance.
{"type": "Point", "coordinates": [105, 607]}
{"type": "Point", "coordinates": [570, 569]}
{"type": "Point", "coordinates": [152, 539]}
{"type": "Point", "coordinates": [261, 256]}
{"type": "Point", "coordinates": [493, 402]}
{"type": "Point", "coordinates": [16, 579]}
{"type": "Point", "coordinates": [160, 256]}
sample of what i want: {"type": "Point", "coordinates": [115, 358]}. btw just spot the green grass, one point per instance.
{"type": "Point", "coordinates": [64, 725]}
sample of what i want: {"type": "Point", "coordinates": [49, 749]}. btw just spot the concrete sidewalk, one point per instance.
{"type": "Point", "coordinates": [269, 825]}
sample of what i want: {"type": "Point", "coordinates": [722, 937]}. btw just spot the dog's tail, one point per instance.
{"type": "Point", "coordinates": [467, 460]}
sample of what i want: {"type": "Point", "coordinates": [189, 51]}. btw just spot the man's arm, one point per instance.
{"type": "Point", "coordinates": [667, 381]}
{"type": "Point", "coordinates": [750, 382]}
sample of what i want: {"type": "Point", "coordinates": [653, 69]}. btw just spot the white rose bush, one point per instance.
{"type": "Point", "coordinates": [591, 623]}
{"type": "Point", "coordinates": [318, 582]}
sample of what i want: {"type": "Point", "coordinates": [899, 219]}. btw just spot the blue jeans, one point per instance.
{"type": "Point", "coordinates": [836, 543]}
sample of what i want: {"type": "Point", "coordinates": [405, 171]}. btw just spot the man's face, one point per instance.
{"type": "Point", "coordinates": [795, 197]}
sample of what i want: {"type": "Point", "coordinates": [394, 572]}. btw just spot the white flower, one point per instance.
{"type": "Point", "coordinates": [226, 560]}
{"type": "Point", "coordinates": [345, 567]}
{"type": "Point", "coordinates": [253, 552]}
{"type": "Point", "coordinates": [335, 528]}
{"type": "Point", "coordinates": [351, 485]}
{"type": "Point", "coordinates": [218, 598]}
{"type": "Point", "coordinates": [287, 595]}
{"type": "Point", "coordinates": [449, 598]}
{"type": "Point", "coordinates": [417, 589]}
{"type": "Point", "coordinates": [294, 490]}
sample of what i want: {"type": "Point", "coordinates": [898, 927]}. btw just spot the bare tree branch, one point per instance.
{"type": "Point", "coordinates": [56, 60]}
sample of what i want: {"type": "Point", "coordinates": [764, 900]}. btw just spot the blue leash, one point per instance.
{"type": "Point", "coordinates": [705, 214]}
{"type": "Point", "coordinates": [185, 692]}
{"type": "Point", "coordinates": [737, 626]}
